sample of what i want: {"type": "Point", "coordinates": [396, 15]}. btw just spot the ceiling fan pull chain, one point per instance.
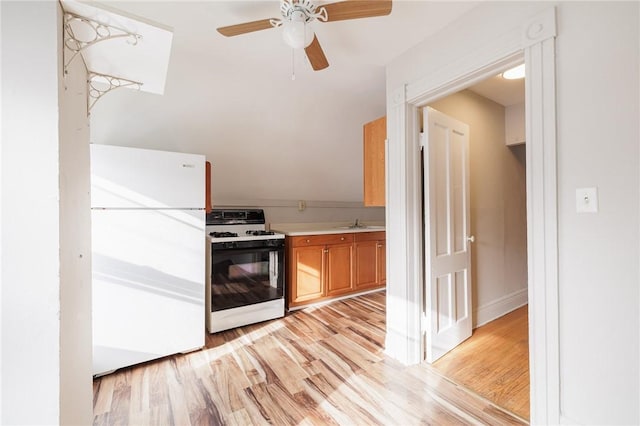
{"type": "Point", "coordinates": [293, 65]}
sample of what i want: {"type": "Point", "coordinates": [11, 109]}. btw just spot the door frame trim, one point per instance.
{"type": "Point", "coordinates": [533, 41]}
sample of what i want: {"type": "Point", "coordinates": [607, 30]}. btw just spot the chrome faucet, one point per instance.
{"type": "Point", "coordinates": [356, 224]}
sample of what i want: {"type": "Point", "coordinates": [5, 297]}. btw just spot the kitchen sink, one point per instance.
{"type": "Point", "coordinates": [374, 227]}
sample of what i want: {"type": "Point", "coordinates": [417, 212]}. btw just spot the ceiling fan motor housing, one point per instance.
{"type": "Point", "coordinates": [301, 9]}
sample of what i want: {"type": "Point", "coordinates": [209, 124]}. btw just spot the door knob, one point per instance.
{"type": "Point", "coordinates": [471, 239]}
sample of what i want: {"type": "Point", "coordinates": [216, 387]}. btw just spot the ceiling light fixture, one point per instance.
{"type": "Point", "coordinates": [514, 73]}
{"type": "Point", "coordinates": [295, 31]}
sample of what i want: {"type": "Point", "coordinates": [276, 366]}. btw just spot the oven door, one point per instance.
{"type": "Point", "coordinates": [245, 273]}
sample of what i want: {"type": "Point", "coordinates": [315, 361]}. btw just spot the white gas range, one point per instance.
{"type": "Point", "coordinates": [246, 269]}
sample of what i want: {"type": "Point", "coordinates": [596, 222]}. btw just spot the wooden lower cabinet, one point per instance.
{"type": "Point", "coordinates": [339, 269]}
{"type": "Point", "coordinates": [320, 267]}
{"type": "Point", "coordinates": [309, 275]}
{"type": "Point", "coordinates": [370, 259]}
{"type": "Point", "coordinates": [381, 262]}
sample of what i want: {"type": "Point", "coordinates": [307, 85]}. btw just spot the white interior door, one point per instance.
{"type": "Point", "coordinates": [447, 258]}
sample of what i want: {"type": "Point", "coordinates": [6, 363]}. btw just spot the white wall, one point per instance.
{"type": "Point", "coordinates": [598, 88]}
{"type": "Point", "coordinates": [498, 206]}
{"type": "Point", "coordinates": [287, 211]}
{"type": "Point", "coordinates": [260, 155]}
{"type": "Point", "coordinates": [30, 238]}
{"type": "Point", "coordinates": [1, 222]}
{"type": "Point", "coordinates": [43, 287]}
{"type": "Point", "coordinates": [264, 141]}
{"type": "Point", "coordinates": [597, 57]}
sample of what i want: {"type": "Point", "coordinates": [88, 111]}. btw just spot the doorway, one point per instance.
{"type": "Point", "coordinates": [412, 85]}
{"type": "Point", "coordinates": [494, 111]}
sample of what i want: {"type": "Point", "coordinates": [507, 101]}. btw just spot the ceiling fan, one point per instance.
{"type": "Point", "coordinates": [297, 14]}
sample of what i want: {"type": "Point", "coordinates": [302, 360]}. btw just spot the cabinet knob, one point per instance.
{"type": "Point", "coordinates": [308, 241]}
{"type": "Point", "coordinates": [341, 238]}
{"type": "Point", "coordinates": [326, 250]}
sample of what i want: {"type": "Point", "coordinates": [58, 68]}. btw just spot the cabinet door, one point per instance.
{"type": "Point", "coordinates": [375, 134]}
{"type": "Point", "coordinates": [366, 273]}
{"type": "Point", "coordinates": [308, 282]}
{"type": "Point", "coordinates": [381, 262]}
{"type": "Point", "coordinates": [339, 269]}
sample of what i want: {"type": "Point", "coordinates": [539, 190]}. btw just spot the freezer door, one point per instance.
{"type": "Point", "coordinates": [148, 285]}
{"type": "Point", "coordinates": [123, 177]}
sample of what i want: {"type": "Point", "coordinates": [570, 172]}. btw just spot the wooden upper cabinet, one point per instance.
{"type": "Point", "coordinates": [207, 187]}
{"type": "Point", "coordinates": [375, 134]}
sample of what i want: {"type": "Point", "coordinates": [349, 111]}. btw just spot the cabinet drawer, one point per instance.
{"type": "Point", "coordinates": [371, 236]}
{"type": "Point", "coordinates": [320, 240]}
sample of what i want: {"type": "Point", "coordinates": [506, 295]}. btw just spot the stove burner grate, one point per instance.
{"type": "Point", "coordinates": [223, 234]}
{"type": "Point", "coordinates": [260, 232]}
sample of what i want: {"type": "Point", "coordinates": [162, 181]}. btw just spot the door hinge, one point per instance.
{"type": "Point", "coordinates": [423, 140]}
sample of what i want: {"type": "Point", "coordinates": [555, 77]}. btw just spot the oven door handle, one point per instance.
{"type": "Point", "coordinates": [234, 250]}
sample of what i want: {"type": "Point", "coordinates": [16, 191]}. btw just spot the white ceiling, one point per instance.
{"type": "Point", "coordinates": [233, 99]}
{"type": "Point", "coordinates": [363, 42]}
{"type": "Point", "coordinates": [500, 90]}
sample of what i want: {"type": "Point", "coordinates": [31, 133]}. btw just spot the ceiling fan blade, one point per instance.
{"type": "Point", "coordinates": [316, 55]}
{"type": "Point", "coordinates": [356, 9]}
{"type": "Point", "coordinates": [247, 27]}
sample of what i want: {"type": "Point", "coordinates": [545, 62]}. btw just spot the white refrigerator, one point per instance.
{"type": "Point", "coordinates": [148, 254]}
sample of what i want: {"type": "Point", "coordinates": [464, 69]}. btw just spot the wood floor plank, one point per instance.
{"type": "Point", "coordinates": [251, 369]}
{"type": "Point", "coordinates": [330, 395]}
{"type": "Point", "coordinates": [269, 407]}
{"type": "Point", "coordinates": [103, 395]}
{"type": "Point", "coordinates": [139, 402]}
{"type": "Point", "coordinates": [322, 365]}
{"type": "Point", "coordinates": [220, 390]}
{"type": "Point", "coordinates": [280, 367]}
{"type": "Point", "coordinates": [210, 414]}
{"type": "Point", "coordinates": [239, 417]}
{"type": "Point", "coordinates": [358, 357]}
{"type": "Point", "coordinates": [119, 413]}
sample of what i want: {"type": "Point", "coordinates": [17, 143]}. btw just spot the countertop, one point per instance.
{"type": "Point", "coordinates": [295, 229]}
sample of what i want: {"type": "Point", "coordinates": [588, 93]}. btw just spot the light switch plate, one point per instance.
{"type": "Point", "coordinates": [587, 200]}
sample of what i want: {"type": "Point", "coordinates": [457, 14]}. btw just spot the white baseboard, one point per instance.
{"type": "Point", "coordinates": [335, 299]}
{"type": "Point", "coordinates": [500, 307]}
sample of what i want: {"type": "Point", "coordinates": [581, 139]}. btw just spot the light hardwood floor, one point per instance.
{"type": "Point", "coordinates": [494, 362]}
{"type": "Point", "coordinates": [317, 366]}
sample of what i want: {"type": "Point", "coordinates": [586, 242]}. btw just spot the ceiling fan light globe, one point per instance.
{"type": "Point", "coordinates": [297, 34]}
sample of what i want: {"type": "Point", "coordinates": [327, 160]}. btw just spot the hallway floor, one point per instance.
{"type": "Point", "coordinates": [494, 362]}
